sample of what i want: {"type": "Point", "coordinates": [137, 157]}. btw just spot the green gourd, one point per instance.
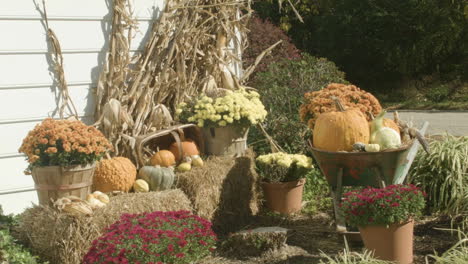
{"type": "Point", "coordinates": [158, 178]}
{"type": "Point", "coordinates": [386, 137]}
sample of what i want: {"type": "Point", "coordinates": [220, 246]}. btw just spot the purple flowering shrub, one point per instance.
{"type": "Point", "coordinates": [154, 238]}
{"type": "Point", "coordinates": [382, 206]}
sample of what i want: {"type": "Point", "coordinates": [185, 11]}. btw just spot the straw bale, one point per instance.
{"type": "Point", "coordinates": [224, 191]}
{"type": "Point", "coordinates": [254, 242]}
{"type": "Point", "coordinates": [62, 239]}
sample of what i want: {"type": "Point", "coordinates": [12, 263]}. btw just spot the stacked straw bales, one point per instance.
{"type": "Point", "coordinates": [62, 239]}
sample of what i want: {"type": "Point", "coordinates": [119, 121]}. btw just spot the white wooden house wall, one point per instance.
{"type": "Point", "coordinates": [26, 92]}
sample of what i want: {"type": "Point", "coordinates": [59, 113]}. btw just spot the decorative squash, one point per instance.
{"type": "Point", "coordinates": [386, 137]}
{"type": "Point", "coordinates": [188, 146]}
{"type": "Point", "coordinates": [358, 146]}
{"type": "Point", "coordinates": [372, 148]}
{"type": "Point", "coordinates": [94, 202]}
{"type": "Point", "coordinates": [197, 161]}
{"type": "Point", "coordinates": [158, 178]}
{"type": "Point", "coordinates": [338, 131]}
{"type": "Point", "coordinates": [141, 186]}
{"type": "Point", "coordinates": [101, 197]}
{"type": "Point", "coordinates": [73, 205]}
{"type": "Point", "coordinates": [388, 123]}
{"type": "Point", "coordinates": [391, 124]}
{"type": "Point", "coordinates": [116, 174]}
{"type": "Point", "coordinates": [163, 158]}
{"type": "Point", "coordinates": [184, 166]}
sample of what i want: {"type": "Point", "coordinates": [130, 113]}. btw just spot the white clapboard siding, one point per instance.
{"type": "Point", "coordinates": [26, 92]}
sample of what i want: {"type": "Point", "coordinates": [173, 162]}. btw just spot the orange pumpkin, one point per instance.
{"type": "Point", "coordinates": [188, 146]}
{"type": "Point", "coordinates": [116, 174]}
{"type": "Point", "coordinates": [163, 158]}
{"type": "Point", "coordinates": [389, 123]}
{"type": "Point", "coordinates": [338, 131]}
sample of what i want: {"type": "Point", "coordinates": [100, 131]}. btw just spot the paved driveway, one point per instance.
{"type": "Point", "coordinates": [453, 122]}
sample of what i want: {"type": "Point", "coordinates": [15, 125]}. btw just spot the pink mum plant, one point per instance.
{"type": "Point", "coordinates": [154, 238]}
{"type": "Point", "coordinates": [382, 206]}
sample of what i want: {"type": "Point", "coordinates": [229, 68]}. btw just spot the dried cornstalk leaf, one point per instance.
{"type": "Point", "coordinates": [57, 57]}
{"type": "Point", "coordinates": [161, 117]}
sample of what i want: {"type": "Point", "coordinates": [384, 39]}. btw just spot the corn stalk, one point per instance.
{"type": "Point", "coordinates": [187, 53]}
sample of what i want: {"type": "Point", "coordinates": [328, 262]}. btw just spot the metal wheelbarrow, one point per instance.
{"type": "Point", "coordinates": [376, 169]}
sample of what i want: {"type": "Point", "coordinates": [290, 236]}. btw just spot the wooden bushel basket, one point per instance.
{"type": "Point", "coordinates": [54, 182]}
{"type": "Point", "coordinates": [163, 139]}
{"type": "Point", "coordinates": [226, 141]}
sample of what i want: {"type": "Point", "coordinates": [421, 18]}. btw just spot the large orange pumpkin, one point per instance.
{"type": "Point", "coordinates": [163, 158]}
{"type": "Point", "coordinates": [188, 146]}
{"type": "Point", "coordinates": [338, 131]}
{"type": "Point", "coordinates": [389, 123]}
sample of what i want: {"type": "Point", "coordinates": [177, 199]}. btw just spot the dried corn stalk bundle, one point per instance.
{"type": "Point", "coordinates": [189, 51]}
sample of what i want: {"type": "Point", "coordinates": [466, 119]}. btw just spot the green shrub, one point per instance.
{"type": "Point", "coordinates": [10, 251]}
{"type": "Point", "coordinates": [375, 41]}
{"type": "Point", "coordinates": [316, 193]}
{"type": "Point", "coordinates": [282, 87]}
{"type": "Point", "coordinates": [443, 174]}
{"type": "Point", "coordinates": [438, 93]}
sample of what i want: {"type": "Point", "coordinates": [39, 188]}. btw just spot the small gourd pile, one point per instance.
{"type": "Point", "coordinates": [75, 206]}
{"type": "Point", "coordinates": [159, 174]}
{"type": "Point", "coordinates": [348, 130]}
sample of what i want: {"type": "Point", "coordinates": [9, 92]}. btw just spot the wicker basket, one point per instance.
{"type": "Point", "coordinates": [53, 182]}
{"type": "Point", "coordinates": [148, 144]}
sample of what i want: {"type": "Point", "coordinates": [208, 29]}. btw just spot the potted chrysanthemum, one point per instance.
{"type": "Point", "coordinates": [225, 120]}
{"type": "Point", "coordinates": [283, 179]}
{"type": "Point", "coordinates": [385, 218]}
{"type": "Point", "coordinates": [62, 156]}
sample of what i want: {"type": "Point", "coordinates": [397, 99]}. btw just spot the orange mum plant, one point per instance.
{"type": "Point", "coordinates": [350, 96]}
{"type": "Point", "coordinates": [63, 143]}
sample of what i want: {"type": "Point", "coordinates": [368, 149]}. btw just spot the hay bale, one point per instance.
{"type": "Point", "coordinates": [224, 191]}
{"type": "Point", "coordinates": [255, 242]}
{"type": "Point", "coordinates": [62, 239]}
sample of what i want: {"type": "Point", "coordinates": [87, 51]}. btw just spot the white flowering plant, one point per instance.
{"type": "Point", "coordinates": [239, 107]}
{"type": "Point", "coordinates": [283, 167]}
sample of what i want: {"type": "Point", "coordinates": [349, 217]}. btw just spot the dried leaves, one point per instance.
{"type": "Point", "coordinates": [57, 58]}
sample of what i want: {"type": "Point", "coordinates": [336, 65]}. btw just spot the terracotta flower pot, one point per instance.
{"type": "Point", "coordinates": [284, 197]}
{"type": "Point", "coordinates": [394, 243]}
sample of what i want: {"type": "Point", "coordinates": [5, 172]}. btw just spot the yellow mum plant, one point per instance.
{"type": "Point", "coordinates": [283, 167]}
{"type": "Point", "coordinates": [63, 143]}
{"type": "Point", "coordinates": [238, 107]}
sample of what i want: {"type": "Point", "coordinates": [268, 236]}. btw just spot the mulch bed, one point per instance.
{"type": "Point", "coordinates": [313, 235]}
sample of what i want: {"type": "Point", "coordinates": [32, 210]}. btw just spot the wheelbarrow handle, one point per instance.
{"type": "Point", "coordinates": [405, 161]}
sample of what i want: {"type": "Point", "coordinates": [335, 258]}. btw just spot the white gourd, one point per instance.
{"type": "Point", "coordinates": [372, 148]}
{"type": "Point", "coordinates": [385, 137]}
